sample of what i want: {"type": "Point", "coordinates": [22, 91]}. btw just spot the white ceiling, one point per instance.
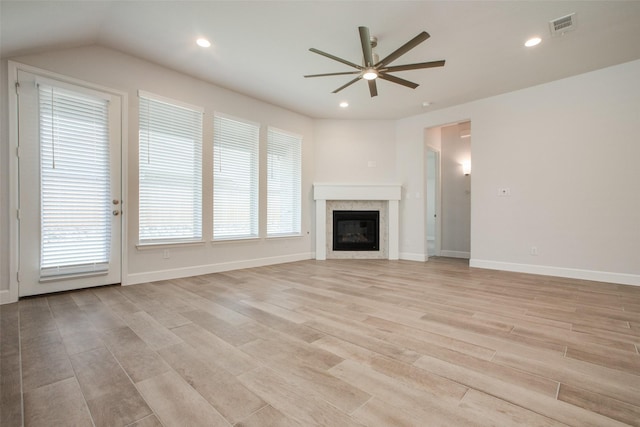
{"type": "Point", "coordinates": [260, 48]}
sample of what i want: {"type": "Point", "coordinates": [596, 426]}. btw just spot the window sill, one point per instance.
{"type": "Point", "coordinates": [235, 240]}
{"type": "Point", "coordinates": [285, 236]}
{"type": "Point", "coordinates": [161, 245]}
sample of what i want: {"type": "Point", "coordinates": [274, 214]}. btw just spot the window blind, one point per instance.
{"type": "Point", "coordinates": [74, 182]}
{"type": "Point", "coordinates": [235, 178]}
{"type": "Point", "coordinates": [283, 183]}
{"type": "Point", "coordinates": [170, 146]}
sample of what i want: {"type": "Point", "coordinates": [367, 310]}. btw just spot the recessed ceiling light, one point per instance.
{"type": "Point", "coordinates": [344, 104]}
{"type": "Point", "coordinates": [534, 41]}
{"type": "Point", "coordinates": [203, 42]}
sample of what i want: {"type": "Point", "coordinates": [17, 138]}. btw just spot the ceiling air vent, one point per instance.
{"type": "Point", "coordinates": [561, 25]}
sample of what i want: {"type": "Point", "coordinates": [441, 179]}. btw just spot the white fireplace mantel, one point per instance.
{"type": "Point", "coordinates": [387, 192]}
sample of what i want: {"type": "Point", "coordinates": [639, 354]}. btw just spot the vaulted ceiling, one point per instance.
{"type": "Point", "coordinates": [261, 48]}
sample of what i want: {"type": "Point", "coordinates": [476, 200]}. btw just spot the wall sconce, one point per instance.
{"type": "Point", "coordinates": [466, 168]}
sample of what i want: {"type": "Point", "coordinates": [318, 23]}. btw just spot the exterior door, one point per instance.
{"type": "Point", "coordinates": [69, 174]}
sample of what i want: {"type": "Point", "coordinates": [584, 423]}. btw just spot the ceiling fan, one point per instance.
{"type": "Point", "coordinates": [373, 68]}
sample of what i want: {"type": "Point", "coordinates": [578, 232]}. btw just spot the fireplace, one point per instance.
{"type": "Point", "coordinates": [384, 198]}
{"type": "Point", "coordinates": [356, 230]}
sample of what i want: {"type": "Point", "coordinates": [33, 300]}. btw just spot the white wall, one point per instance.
{"type": "Point", "coordinates": [354, 151]}
{"type": "Point", "coordinates": [125, 73]}
{"type": "Point", "coordinates": [568, 151]}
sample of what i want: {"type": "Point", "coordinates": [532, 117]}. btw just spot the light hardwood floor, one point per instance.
{"type": "Point", "coordinates": [331, 343]}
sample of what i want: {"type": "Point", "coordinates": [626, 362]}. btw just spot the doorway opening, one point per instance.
{"type": "Point", "coordinates": [448, 190]}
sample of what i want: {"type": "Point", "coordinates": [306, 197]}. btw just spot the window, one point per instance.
{"type": "Point", "coordinates": [235, 178]}
{"type": "Point", "coordinates": [283, 183]}
{"type": "Point", "coordinates": [75, 182]}
{"type": "Point", "coordinates": [170, 147]}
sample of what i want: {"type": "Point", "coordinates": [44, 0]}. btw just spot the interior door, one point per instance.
{"type": "Point", "coordinates": [69, 174]}
{"type": "Point", "coordinates": [433, 202]}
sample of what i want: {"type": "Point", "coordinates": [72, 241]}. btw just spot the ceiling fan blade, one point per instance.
{"type": "Point", "coordinates": [373, 89]}
{"type": "Point", "coordinates": [398, 80]}
{"type": "Point", "coordinates": [348, 84]}
{"type": "Point", "coordinates": [335, 58]}
{"type": "Point", "coordinates": [404, 49]}
{"type": "Point", "coordinates": [418, 66]}
{"type": "Point", "coordinates": [333, 74]}
{"type": "Point", "coordinates": [365, 40]}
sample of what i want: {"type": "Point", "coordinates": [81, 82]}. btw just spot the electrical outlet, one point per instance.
{"type": "Point", "coordinates": [165, 254]}
{"type": "Point", "coordinates": [534, 250]}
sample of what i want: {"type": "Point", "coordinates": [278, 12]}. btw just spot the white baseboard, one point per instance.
{"type": "Point", "coordinates": [5, 297]}
{"type": "Point", "coordinates": [177, 273]}
{"type": "Point", "coordinates": [571, 273]}
{"type": "Point", "coordinates": [413, 257]}
{"type": "Point", "coordinates": [455, 254]}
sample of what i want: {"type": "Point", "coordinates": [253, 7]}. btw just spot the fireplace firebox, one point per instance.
{"type": "Point", "coordinates": [356, 230]}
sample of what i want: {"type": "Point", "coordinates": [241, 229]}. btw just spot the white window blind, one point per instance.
{"type": "Point", "coordinates": [170, 144]}
{"type": "Point", "coordinates": [283, 183]}
{"type": "Point", "coordinates": [235, 178]}
{"type": "Point", "coordinates": [74, 182]}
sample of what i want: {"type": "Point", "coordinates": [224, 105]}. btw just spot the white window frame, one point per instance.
{"type": "Point", "coordinates": [196, 200]}
{"type": "Point", "coordinates": [249, 227]}
{"type": "Point", "coordinates": [295, 216]}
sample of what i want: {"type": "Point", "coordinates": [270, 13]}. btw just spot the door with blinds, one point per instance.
{"type": "Point", "coordinates": [70, 206]}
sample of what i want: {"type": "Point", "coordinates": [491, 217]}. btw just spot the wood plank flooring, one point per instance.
{"type": "Point", "coordinates": [327, 343]}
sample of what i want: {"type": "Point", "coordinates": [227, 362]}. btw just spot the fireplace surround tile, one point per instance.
{"type": "Point", "coordinates": [382, 197]}
{"type": "Point", "coordinates": [358, 205]}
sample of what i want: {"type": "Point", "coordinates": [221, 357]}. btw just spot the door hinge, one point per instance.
{"type": "Point", "coordinates": [18, 151]}
{"type": "Point", "coordinates": [18, 214]}
{"type": "Point", "coordinates": [18, 276]}
{"type": "Point", "coordinates": [17, 88]}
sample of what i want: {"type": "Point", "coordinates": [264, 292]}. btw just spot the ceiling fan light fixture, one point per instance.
{"type": "Point", "coordinates": [202, 42]}
{"type": "Point", "coordinates": [372, 67]}
{"type": "Point", "coordinates": [370, 74]}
